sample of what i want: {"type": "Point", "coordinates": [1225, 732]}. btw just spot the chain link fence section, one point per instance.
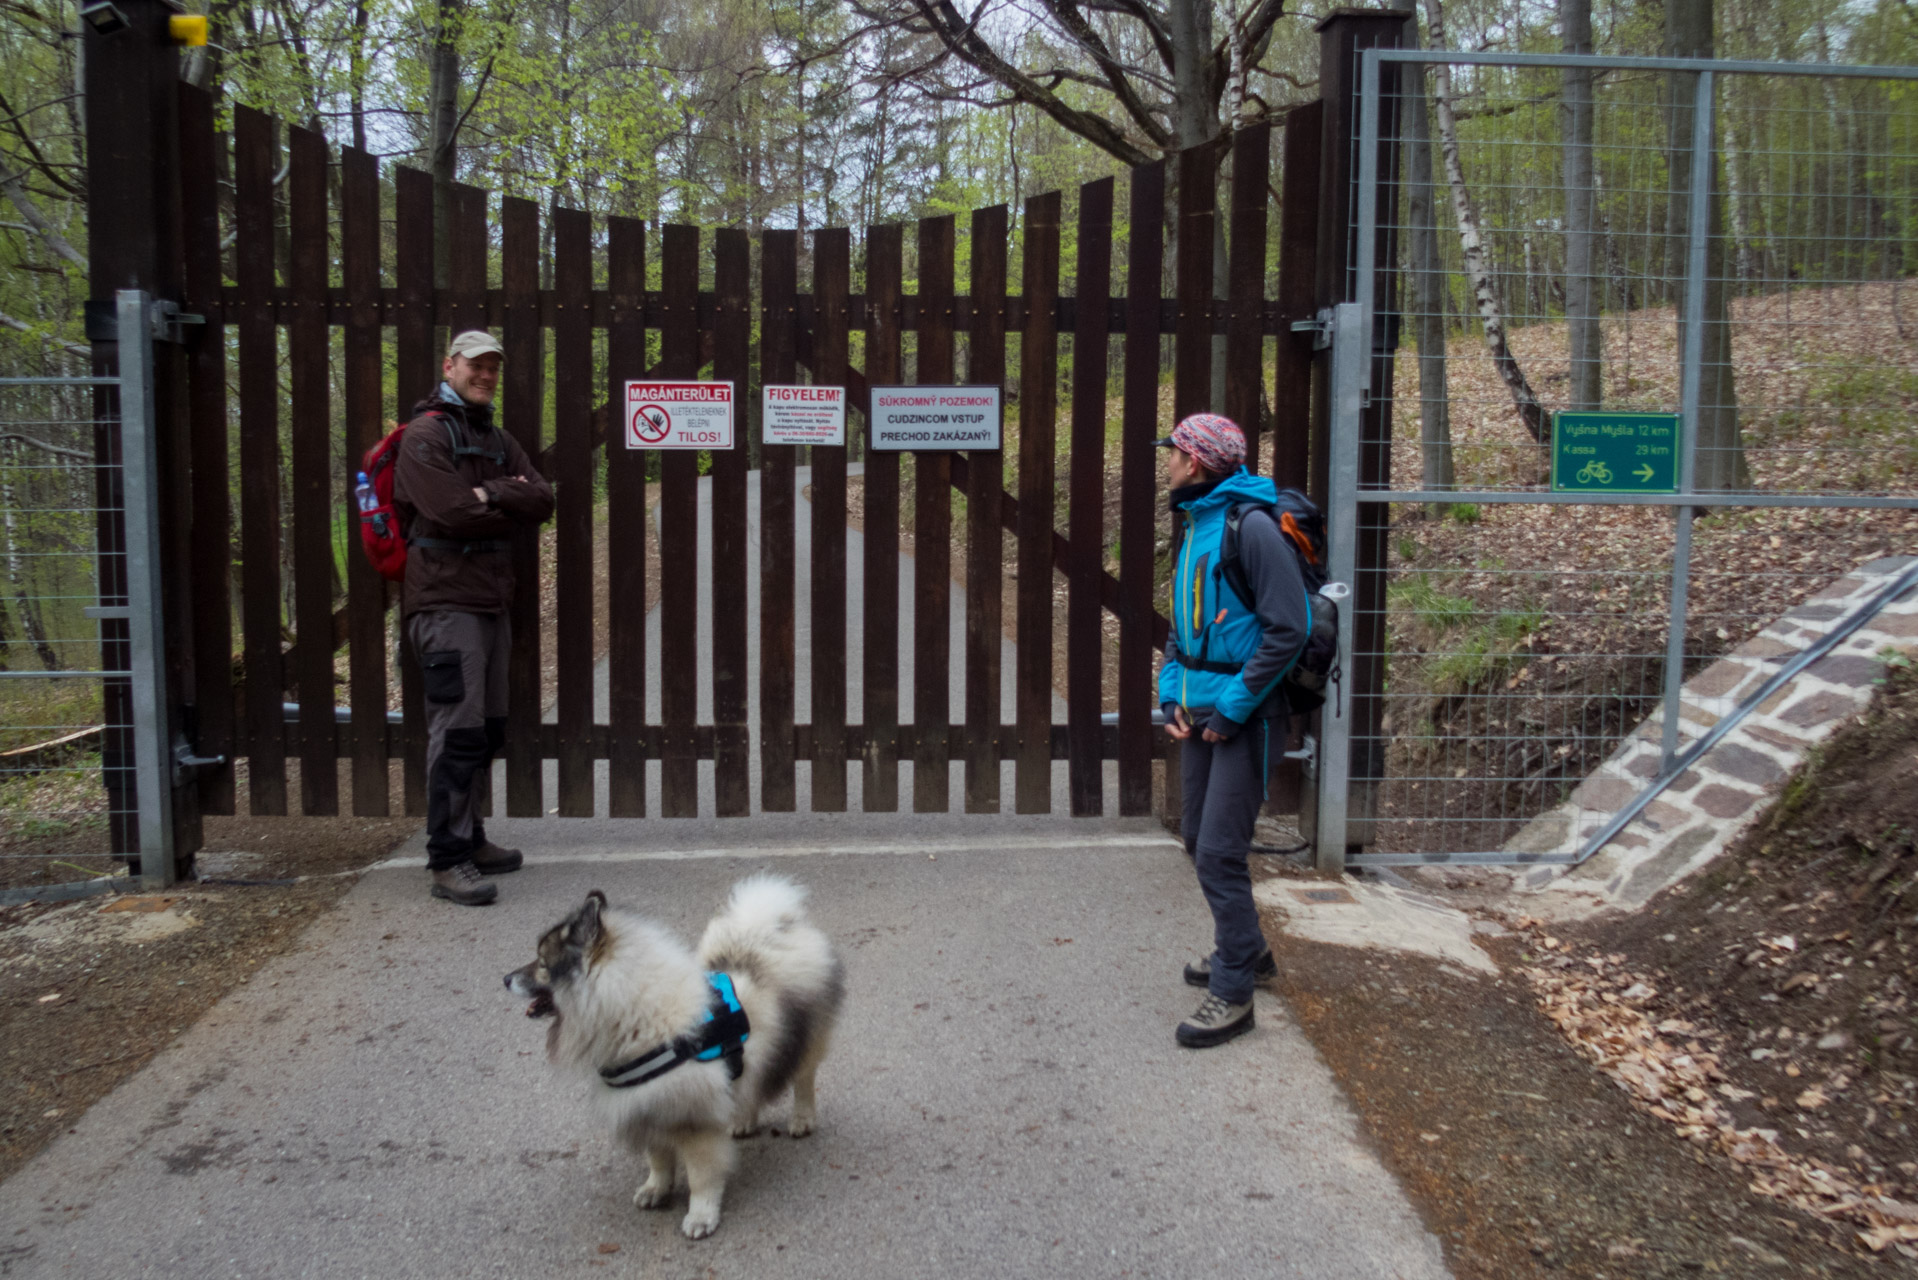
{"type": "Point", "coordinates": [1521, 633]}
{"type": "Point", "coordinates": [64, 706]}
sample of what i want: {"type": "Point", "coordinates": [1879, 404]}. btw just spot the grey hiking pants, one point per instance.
{"type": "Point", "coordinates": [463, 667]}
{"type": "Point", "coordinates": [1224, 789]}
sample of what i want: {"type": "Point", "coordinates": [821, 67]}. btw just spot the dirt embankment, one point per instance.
{"type": "Point", "coordinates": [1724, 1082]}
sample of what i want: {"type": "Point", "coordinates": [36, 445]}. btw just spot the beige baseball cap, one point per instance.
{"type": "Point", "coordinates": [475, 343]}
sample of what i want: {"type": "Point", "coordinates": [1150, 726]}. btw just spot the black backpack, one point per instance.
{"type": "Point", "coordinates": [1303, 525]}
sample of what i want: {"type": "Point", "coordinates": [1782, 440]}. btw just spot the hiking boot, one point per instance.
{"type": "Point", "coordinates": [1200, 974]}
{"type": "Point", "coordinates": [1214, 1022]}
{"type": "Point", "coordinates": [462, 884]}
{"type": "Point", "coordinates": [491, 860]}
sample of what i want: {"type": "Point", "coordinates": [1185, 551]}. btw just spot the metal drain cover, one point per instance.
{"type": "Point", "coordinates": [1325, 895]}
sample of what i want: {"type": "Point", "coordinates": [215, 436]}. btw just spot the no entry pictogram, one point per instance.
{"type": "Point", "coordinates": [679, 415]}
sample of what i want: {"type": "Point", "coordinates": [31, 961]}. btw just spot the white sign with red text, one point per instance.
{"type": "Point", "coordinates": [932, 419]}
{"type": "Point", "coordinates": [804, 415]}
{"type": "Point", "coordinates": [679, 415]}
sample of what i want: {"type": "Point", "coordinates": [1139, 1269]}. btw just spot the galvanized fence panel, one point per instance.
{"type": "Point", "coordinates": [83, 772]}
{"type": "Point", "coordinates": [58, 815]}
{"type": "Point", "coordinates": [1518, 633]}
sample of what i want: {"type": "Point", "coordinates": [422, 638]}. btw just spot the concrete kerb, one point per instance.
{"type": "Point", "coordinates": [1709, 805]}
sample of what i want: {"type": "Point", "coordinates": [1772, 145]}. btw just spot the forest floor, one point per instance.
{"type": "Point", "coordinates": [1724, 1082]}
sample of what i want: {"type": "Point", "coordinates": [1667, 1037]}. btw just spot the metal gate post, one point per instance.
{"type": "Point", "coordinates": [1351, 370]}
{"type": "Point", "coordinates": [140, 483]}
{"type": "Point", "coordinates": [1691, 380]}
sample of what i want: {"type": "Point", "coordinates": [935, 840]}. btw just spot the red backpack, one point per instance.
{"type": "Point", "coordinates": [382, 532]}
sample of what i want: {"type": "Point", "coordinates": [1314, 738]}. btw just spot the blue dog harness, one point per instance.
{"type": "Point", "coordinates": [721, 1038]}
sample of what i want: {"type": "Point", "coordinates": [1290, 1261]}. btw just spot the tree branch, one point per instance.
{"type": "Point", "coordinates": [72, 349]}
{"type": "Point", "coordinates": [1081, 30]}
{"type": "Point", "coordinates": [961, 37]}
{"type": "Point", "coordinates": [17, 192]}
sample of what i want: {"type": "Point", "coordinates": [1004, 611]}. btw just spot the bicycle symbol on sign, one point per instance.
{"type": "Point", "coordinates": [1595, 472]}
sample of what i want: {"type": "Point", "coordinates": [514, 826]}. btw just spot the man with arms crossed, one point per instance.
{"type": "Point", "coordinates": [1221, 694]}
{"type": "Point", "coordinates": [462, 485]}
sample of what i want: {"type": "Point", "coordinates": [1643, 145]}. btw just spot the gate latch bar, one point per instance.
{"type": "Point", "coordinates": [1320, 327]}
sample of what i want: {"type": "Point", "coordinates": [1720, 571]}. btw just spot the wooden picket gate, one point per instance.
{"type": "Point", "coordinates": [317, 264]}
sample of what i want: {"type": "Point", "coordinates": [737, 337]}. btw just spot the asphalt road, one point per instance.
{"type": "Point", "coordinates": [1004, 1098]}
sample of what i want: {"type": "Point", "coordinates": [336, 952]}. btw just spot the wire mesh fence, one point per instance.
{"type": "Point", "coordinates": [64, 816]}
{"type": "Point", "coordinates": [1545, 251]}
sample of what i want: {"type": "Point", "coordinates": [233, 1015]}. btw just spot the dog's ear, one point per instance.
{"type": "Point", "coordinates": [586, 925]}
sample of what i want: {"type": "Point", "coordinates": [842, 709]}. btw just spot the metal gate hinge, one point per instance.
{"type": "Point", "coordinates": [187, 765]}
{"type": "Point", "coordinates": [168, 323]}
{"type": "Point", "coordinates": [1320, 327]}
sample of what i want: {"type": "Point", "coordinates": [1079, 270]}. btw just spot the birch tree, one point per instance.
{"type": "Point", "coordinates": [1477, 269]}
{"type": "Point", "coordinates": [1427, 286]}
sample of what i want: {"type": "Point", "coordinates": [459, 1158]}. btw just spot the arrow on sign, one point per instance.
{"type": "Point", "coordinates": [1644, 472]}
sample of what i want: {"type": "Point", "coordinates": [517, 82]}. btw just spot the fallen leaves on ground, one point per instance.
{"type": "Point", "coordinates": [1670, 1069]}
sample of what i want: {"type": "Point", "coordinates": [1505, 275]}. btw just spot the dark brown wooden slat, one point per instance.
{"type": "Point", "coordinates": [1245, 364]}
{"type": "Point", "coordinates": [626, 525]}
{"type": "Point", "coordinates": [466, 259]}
{"type": "Point", "coordinates": [1138, 479]}
{"type": "Point", "coordinates": [679, 536]}
{"type": "Point", "coordinates": [419, 368]}
{"type": "Point", "coordinates": [1085, 530]}
{"type": "Point", "coordinates": [365, 589]}
{"type": "Point", "coordinates": [573, 491]}
{"type": "Point", "coordinates": [211, 514]}
{"type": "Point", "coordinates": [832, 275]}
{"type": "Point", "coordinates": [1298, 272]}
{"type": "Point", "coordinates": [522, 409]}
{"type": "Point", "coordinates": [779, 285]}
{"type": "Point", "coordinates": [315, 489]}
{"type": "Point", "coordinates": [732, 338]}
{"type": "Point", "coordinates": [932, 531]}
{"type": "Point", "coordinates": [1245, 273]}
{"type": "Point", "coordinates": [884, 276]}
{"type": "Point", "coordinates": [260, 515]}
{"type": "Point", "coordinates": [1192, 350]}
{"type": "Point", "coordinates": [1038, 410]}
{"type": "Point", "coordinates": [985, 544]}
{"type": "Point", "coordinates": [1192, 341]}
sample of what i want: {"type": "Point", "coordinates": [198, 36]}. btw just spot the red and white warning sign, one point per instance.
{"type": "Point", "coordinates": [679, 415]}
{"type": "Point", "coordinates": [804, 415]}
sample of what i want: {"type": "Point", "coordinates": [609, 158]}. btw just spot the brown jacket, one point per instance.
{"type": "Point", "coordinates": [433, 493]}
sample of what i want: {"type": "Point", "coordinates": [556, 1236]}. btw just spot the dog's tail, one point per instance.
{"type": "Point", "coordinates": [765, 903]}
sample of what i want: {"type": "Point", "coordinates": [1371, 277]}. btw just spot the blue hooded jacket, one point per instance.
{"type": "Point", "coordinates": [1212, 627]}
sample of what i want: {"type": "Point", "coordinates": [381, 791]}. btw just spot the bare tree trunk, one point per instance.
{"type": "Point", "coordinates": [443, 94]}
{"type": "Point", "coordinates": [1741, 215]}
{"type": "Point", "coordinates": [1428, 290]}
{"type": "Point", "coordinates": [1581, 202]}
{"type": "Point", "coordinates": [1484, 291]}
{"type": "Point", "coordinates": [1720, 447]}
{"type": "Point", "coordinates": [356, 76]}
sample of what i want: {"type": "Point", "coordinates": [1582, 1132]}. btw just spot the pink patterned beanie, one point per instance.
{"type": "Point", "coordinates": [1216, 443]}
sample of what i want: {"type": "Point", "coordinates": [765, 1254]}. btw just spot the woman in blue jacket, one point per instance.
{"type": "Point", "coordinates": [1220, 689]}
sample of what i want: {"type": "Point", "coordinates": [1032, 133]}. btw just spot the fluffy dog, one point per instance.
{"type": "Point", "coordinates": [620, 988]}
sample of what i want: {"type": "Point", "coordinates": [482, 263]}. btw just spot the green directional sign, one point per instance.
{"type": "Point", "coordinates": [1615, 453]}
